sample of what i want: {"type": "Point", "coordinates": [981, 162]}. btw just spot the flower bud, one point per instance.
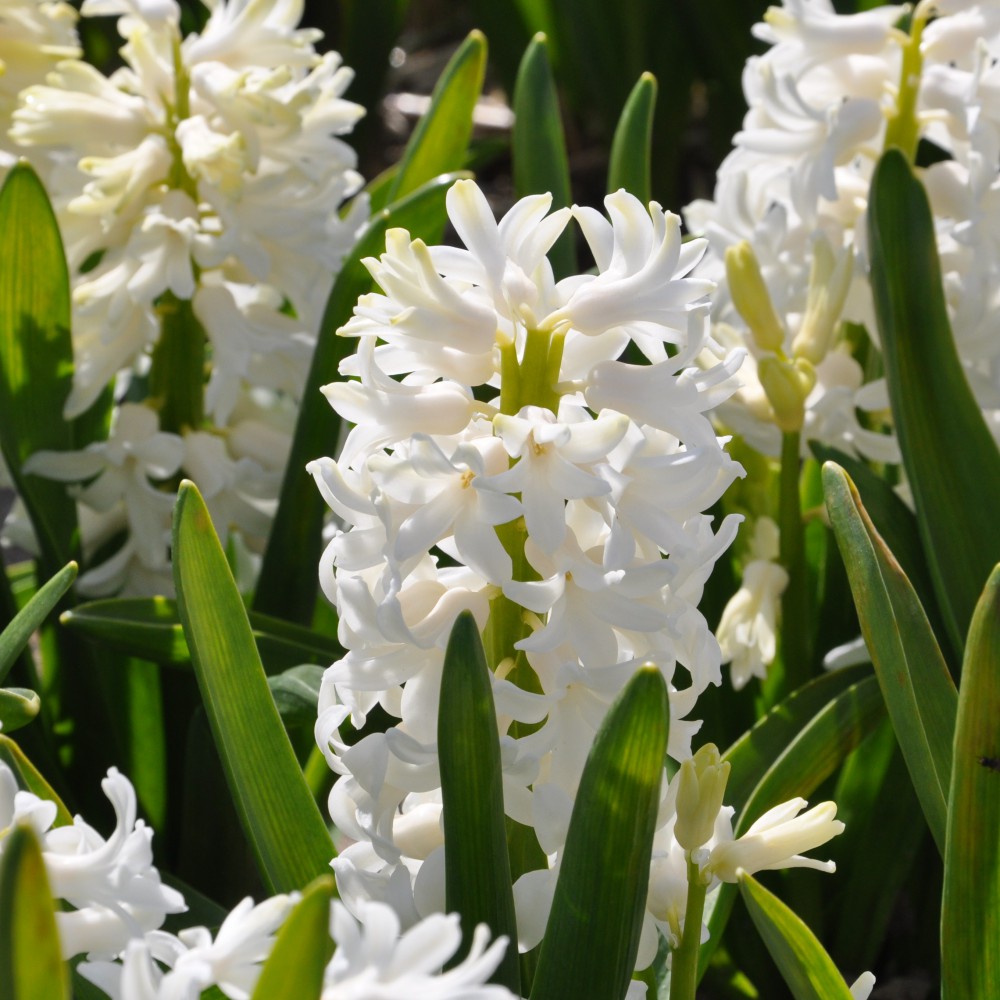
{"type": "Point", "coordinates": [701, 785]}
{"type": "Point", "coordinates": [751, 297]}
{"type": "Point", "coordinates": [829, 280]}
{"type": "Point", "coordinates": [787, 385]}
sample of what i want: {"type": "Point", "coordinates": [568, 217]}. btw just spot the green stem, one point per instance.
{"type": "Point", "coordinates": [177, 374]}
{"type": "Point", "coordinates": [684, 962]}
{"type": "Point", "coordinates": [535, 389]}
{"type": "Point", "coordinates": [903, 129]}
{"type": "Point", "coordinates": [795, 612]}
{"type": "Point", "coordinates": [510, 378]}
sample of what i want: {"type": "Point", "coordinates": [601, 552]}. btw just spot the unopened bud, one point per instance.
{"type": "Point", "coordinates": [829, 281]}
{"type": "Point", "coordinates": [751, 297]}
{"type": "Point", "coordinates": [701, 784]}
{"type": "Point", "coordinates": [787, 384]}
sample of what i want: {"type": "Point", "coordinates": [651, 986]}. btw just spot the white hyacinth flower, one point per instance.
{"type": "Point", "coordinates": [115, 891]}
{"type": "Point", "coordinates": [504, 461]}
{"type": "Point", "coordinates": [747, 631]}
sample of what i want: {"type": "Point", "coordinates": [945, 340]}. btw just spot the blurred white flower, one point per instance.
{"type": "Point", "coordinates": [747, 631]}
{"type": "Point", "coordinates": [35, 35]}
{"type": "Point", "coordinates": [115, 891]}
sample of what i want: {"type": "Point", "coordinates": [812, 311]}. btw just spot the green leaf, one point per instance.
{"type": "Point", "coordinates": [477, 868]}
{"type": "Point", "coordinates": [296, 693]}
{"type": "Point", "coordinates": [439, 141]}
{"type": "Point", "coordinates": [294, 969]}
{"type": "Point", "coordinates": [150, 627]}
{"type": "Point", "coordinates": [279, 816]}
{"type": "Point", "coordinates": [31, 965]}
{"type": "Point", "coordinates": [538, 146]}
{"type": "Point", "coordinates": [36, 357]}
{"type": "Point", "coordinates": [970, 917]}
{"type": "Point", "coordinates": [592, 936]}
{"type": "Point", "coordinates": [806, 967]}
{"type": "Point", "coordinates": [756, 751]}
{"type": "Point", "coordinates": [30, 778]}
{"type": "Point", "coordinates": [285, 589]}
{"type": "Point", "coordinates": [16, 635]}
{"type": "Point", "coordinates": [897, 525]}
{"type": "Point", "coordinates": [918, 690]}
{"type": "Point", "coordinates": [18, 707]}
{"type": "Point", "coordinates": [951, 459]}
{"type": "Point", "coordinates": [631, 163]}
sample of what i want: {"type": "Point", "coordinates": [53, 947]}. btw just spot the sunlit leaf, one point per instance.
{"type": "Point", "coordinates": [950, 456]}
{"type": "Point", "coordinates": [631, 163]}
{"type": "Point", "coordinates": [439, 141]}
{"type": "Point", "coordinates": [16, 635]}
{"type": "Point", "coordinates": [918, 690]}
{"type": "Point", "coordinates": [970, 917]}
{"type": "Point", "coordinates": [477, 870]}
{"type": "Point", "coordinates": [805, 966]}
{"type": "Point", "coordinates": [36, 357]}
{"type": "Point", "coordinates": [31, 965]}
{"type": "Point", "coordinates": [294, 969]}
{"type": "Point", "coordinates": [592, 936]}
{"type": "Point", "coordinates": [150, 627]}
{"type": "Point", "coordinates": [278, 813]}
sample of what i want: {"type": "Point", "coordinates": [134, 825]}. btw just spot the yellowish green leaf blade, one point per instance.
{"type": "Point", "coordinates": [16, 635]}
{"type": "Point", "coordinates": [918, 690]}
{"type": "Point", "coordinates": [631, 164]}
{"type": "Point", "coordinates": [592, 936]}
{"type": "Point", "coordinates": [31, 964]}
{"type": "Point", "coordinates": [279, 816]}
{"type": "Point", "coordinates": [477, 869]}
{"type": "Point", "coordinates": [440, 140]}
{"type": "Point", "coordinates": [804, 964]}
{"type": "Point", "coordinates": [970, 916]}
{"type": "Point", "coordinates": [36, 356]}
{"type": "Point", "coordinates": [294, 969]}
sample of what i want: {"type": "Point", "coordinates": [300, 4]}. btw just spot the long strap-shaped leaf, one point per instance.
{"type": "Point", "coordinates": [36, 356]}
{"type": "Point", "coordinates": [149, 627]}
{"type": "Point", "coordinates": [294, 969]}
{"type": "Point", "coordinates": [631, 164]}
{"type": "Point", "coordinates": [477, 869]}
{"type": "Point", "coordinates": [804, 964]}
{"type": "Point", "coordinates": [31, 965]}
{"type": "Point", "coordinates": [538, 145]}
{"type": "Point", "coordinates": [279, 816]}
{"type": "Point", "coordinates": [951, 459]}
{"type": "Point", "coordinates": [283, 589]}
{"type": "Point", "coordinates": [16, 635]}
{"type": "Point", "coordinates": [439, 142]}
{"type": "Point", "coordinates": [970, 916]}
{"type": "Point", "coordinates": [592, 936]}
{"type": "Point", "coordinates": [918, 690]}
